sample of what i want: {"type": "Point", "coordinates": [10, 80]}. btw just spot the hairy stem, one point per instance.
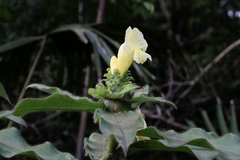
{"type": "Point", "coordinates": [111, 148]}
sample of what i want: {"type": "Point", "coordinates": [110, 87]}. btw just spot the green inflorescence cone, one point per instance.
{"type": "Point", "coordinates": [116, 88]}
{"type": "Point", "coordinates": [115, 81]}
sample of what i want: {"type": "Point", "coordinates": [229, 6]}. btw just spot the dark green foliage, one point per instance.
{"type": "Point", "coordinates": [58, 100]}
{"type": "Point", "coordinates": [194, 141]}
{"type": "Point", "coordinates": [12, 144]}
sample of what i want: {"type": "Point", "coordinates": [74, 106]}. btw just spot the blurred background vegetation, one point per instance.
{"type": "Point", "coordinates": [190, 67]}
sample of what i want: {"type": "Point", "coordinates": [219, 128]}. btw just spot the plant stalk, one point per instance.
{"type": "Point", "coordinates": [111, 148]}
{"type": "Point", "coordinates": [32, 69]}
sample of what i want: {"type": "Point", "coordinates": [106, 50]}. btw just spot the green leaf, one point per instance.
{"type": "Point", "coordinates": [59, 100]}
{"type": "Point", "coordinates": [8, 115]}
{"type": "Point", "coordinates": [207, 121]}
{"type": "Point", "coordinates": [3, 93]}
{"type": "Point", "coordinates": [12, 143]}
{"type": "Point", "coordinates": [100, 92]}
{"type": "Point", "coordinates": [204, 145]}
{"type": "Point", "coordinates": [56, 101]}
{"type": "Point", "coordinates": [139, 92]}
{"type": "Point", "coordinates": [123, 125]}
{"type": "Point", "coordinates": [18, 43]}
{"type": "Point", "coordinates": [95, 146]}
{"type": "Point", "coordinates": [113, 42]}
{"type": "Point", "coordinates": [159, 145]}
{"type": "Point", "coordinates": [190, 123]}
{"type": "Point", "coordinates": [149, 6]}
{"type": "Point", "coordinates": [144, 98]}
{"type": "Point", "coordinates": [44, 88]}
{"type": "Point", "coordinates": [124, 89]}
{"type": "Point", "coordinates": [234, 124]}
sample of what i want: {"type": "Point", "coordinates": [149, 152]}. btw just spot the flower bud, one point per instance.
{"type": "Point", "coordinates": [113, 64]}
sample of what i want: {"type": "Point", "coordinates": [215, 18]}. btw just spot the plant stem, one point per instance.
{"type": "Point", "coordinates": [30, 74]}
{"type": "Point", "coordinates": [111, 147]}
{"type": "Point", "coordinates": [32, 69]}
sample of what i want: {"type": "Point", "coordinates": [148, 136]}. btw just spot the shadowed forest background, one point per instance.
{"type": "Point", "coordinates": [195, 63]}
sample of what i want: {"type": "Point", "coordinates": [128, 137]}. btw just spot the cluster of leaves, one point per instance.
{"type": "Point", "coordinates": [119, 126]}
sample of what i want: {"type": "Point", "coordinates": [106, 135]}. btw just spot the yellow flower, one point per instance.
{"type": "Point", "coordinates": [134, 48]}
{"type": "Point", "coordinates": [125, 57]}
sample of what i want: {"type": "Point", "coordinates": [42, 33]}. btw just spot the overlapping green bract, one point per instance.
{"type": "Point", "coordinates": [11, 144]}
{"type": "Point", "coordinates": [116, 86]}
{"type": "Point", "coordinates": [204, 145]}
{"type": "Point", "coordinates": [119, 90]}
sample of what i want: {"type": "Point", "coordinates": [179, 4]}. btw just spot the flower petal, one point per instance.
{"type": "Point", "coordinates": [135, 37]}
{"type": "Point", "coordinates": [141, 56]}
{"type": "Point", "coordinates": [125, 57]}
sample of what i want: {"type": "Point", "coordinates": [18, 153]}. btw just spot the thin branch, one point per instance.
{"type": "Point", "coordinates": [83, 119]}
{"type": "Point", "coordinates": [101, 8]}
{"type": "Point", "coordinates": [168, 121]}
{"type": "Point", "coordinates": [164, 9]}
{"type": "Point", "coordinates": [32, 69]}
{"type": "Point", "coordinates": [171, 80]}
{"type": "Point", "coordinates": [208, 67]}
{"type": "Point", "coordinates": [48, 118]}
{"type": "Point", "coordinates": [80, 12]}
{"type": "Point", "coordinates": [168, 16]}
{"type": "Point", "coordinates": [176, 83]}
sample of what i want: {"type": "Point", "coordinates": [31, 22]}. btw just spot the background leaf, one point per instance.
{"type": "Point", "coordinates": [77, 29]}
{"type": "Point", "coordinates": [8, 115]}
{"type": "Point", "coordinates": [12, 143]}
{"type": "Point", "coordinates": [18, 43]}
{"type": "Point", "coordinates": [220, 117]}
{"type": "Point", "coordinates": [3, 93]}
